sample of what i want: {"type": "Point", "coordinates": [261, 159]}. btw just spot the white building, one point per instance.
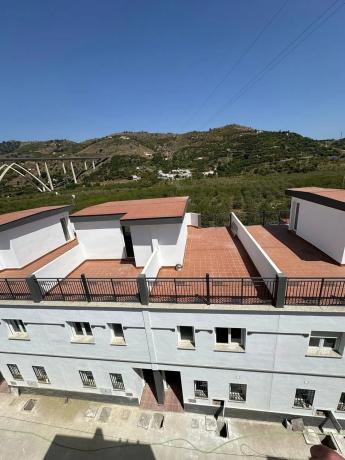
{"type": "Point", "coordinates": [113, 314]}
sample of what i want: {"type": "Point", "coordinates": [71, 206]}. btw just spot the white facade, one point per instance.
{"type": "Point", "coordinates": [27, 242]}
{"type": "Point", "coordinates": [320, 225]}
{"type": "Point", "coordinates": [103, 239]}
{"type": "Point", "coordinates": [273, 363]}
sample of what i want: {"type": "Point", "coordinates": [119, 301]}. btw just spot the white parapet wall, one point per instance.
{"type": "Point", "coordinates": [264, 265]}
{"type": "Point", "coordinates": [62, 265]}
{"type": "Point", "coordinates": [192, 219]}
{"type": "Point", "coordinates": [153, 265]}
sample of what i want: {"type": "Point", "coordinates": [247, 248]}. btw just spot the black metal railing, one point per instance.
{"type": "Point", "coordinates": [280, 217]}
{"type": "Point", "coordinates": [203, 290]}
{"type": "Point", "coordinates": [14, 289]}
{"type": "Point", "coordinates": [240, 291]}
{"type": "Point", "coordinates": [90, 289]}
{"type": "Point", "coordinates": [315, 291]}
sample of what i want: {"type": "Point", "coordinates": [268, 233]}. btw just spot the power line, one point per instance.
{"type": "Point", "coordinates": [288, 49]}
{"type": "Point", "coordinates": [237, 62]}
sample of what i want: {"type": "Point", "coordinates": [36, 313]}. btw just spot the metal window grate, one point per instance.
{"type": "Point", "coordinates": [341, 405]}
{"type": "Point", "coordinates": [87, 379]}
{"type": "Point", "coordinates": [16, 326]}
{"type": "Point", "coordinates": [238, 392]}
{"type": "Point", "coordinates": [14, 369]}
{"type": "Point", "coordinates": [200, 389]}
{"type": "Point", "coordinates": [117, 381]}
{"type": "Point", "coordinates": [304, 398]}
{"type": "Point", "coordinates": [41, 374]}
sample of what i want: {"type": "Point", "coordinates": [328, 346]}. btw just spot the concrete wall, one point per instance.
{"type": "Point", "coordinates": [153, 265]}
{"type": "Point", "coordinates": [21, 245]}
{"type": "Point", "coordinates": [193, 219]}
{"type": "Point", "coordinates": [62, 265]}
{"type": "Point", "coordinates": [101, 239]}
{"type": "Point", "coordinates": [321, 226]}
{"type": "Point", "coordinates": [264, 265]}
{"type": "Point", "coordinates": [170, 238]}
{"type": "Point", "coordinates": [273, 364]}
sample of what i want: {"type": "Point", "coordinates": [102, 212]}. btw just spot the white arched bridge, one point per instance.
{"type": "Point", "coordinates": [45, 182]}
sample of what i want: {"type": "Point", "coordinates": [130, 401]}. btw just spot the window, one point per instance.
{"type": "Point", "coordinates": [186, 337]}
{"type": "Point", "coordinates": [118, 335]}
{"type": "Point", "coordinates": [41, 374]}
{"type": "Point", "coordinates": [87, 379]}
{"type": "Point", "coordinates": [81, 329]}
{"type": "Point", "coordinates": [304, 398]}
{"type": "Point", "coordinates": [15, 371]}
{"type": "Point", "coordinates": [16, 328]}
{"type": "Point", "coordinates": [230, 339]}
{"type": "Point", "coordinates": [117, 382]}
{"type": "Point", "coordinates": [65, 230]}
{"type": "Point", "coordinates": [341, 404]}
{"type": "Point", "coordinates": [200, 389]}
{"type": "Point", "coordinates": [324, 343]}
{"type": "Point", "coordinates": [238, 392]}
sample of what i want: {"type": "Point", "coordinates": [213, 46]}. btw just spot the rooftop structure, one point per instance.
{"type": "Point", "coordinates": [134, 302]}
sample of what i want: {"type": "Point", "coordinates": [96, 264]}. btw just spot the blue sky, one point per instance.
{"type": "Point", "coordinates": [81, 69]}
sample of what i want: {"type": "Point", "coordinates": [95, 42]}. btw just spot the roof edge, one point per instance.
{"type": "Point", "coordinates": [315, 198]}
{"type": "Point", "coordinates": [37, 216]}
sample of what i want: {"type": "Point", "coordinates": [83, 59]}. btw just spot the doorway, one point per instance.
{"type": "Point", "coordinates": [174, 388]}
{"type": "Point", "coordinates": [126, 231]}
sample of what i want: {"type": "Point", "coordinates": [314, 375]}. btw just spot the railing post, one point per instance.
{"type": "Point", "coordinates": [280, 290]}
{"type": "Point", "coordinates": [35, 291]}
{"type": "Point", "coordinates": [208, 298]}
{"type": "Point", "coordinates": [320, 292]}
{"type": "Point", "coordinates": [86, 287]}
{"type": "Point", "coordinates": [143, 289]}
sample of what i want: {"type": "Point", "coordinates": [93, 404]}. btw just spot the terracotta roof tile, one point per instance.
{"type": "Point", "coordinates": [18, 215]}
{"type": "Point", "coordinates": [152, 208]}
{"type": "Point", "coordinates": [331, 193]}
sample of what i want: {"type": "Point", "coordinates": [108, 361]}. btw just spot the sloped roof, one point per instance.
{"type": "Point", "coordinates": [332, 197]}
{"type": "Point", "coordinates": [19, 217]}
{"type": "Point", "coordinates": [153, 208]}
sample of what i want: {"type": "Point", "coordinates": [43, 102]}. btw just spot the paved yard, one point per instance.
{"type": "Point", "coordinates": [78, 430]}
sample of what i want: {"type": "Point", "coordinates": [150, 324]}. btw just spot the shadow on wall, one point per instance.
{"type": "Point", "coordinates": [78, 448]}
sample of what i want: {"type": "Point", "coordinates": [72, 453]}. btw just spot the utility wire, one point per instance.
{"type": "Point", "coordinates": [288, 49]}
{"type": "Point", "coordinates": [237, 62]}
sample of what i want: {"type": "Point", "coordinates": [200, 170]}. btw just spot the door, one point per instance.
{"type": "Point", "coordinates": [128, 241]}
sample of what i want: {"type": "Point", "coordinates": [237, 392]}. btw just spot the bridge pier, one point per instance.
{"type": "Point", "coordinates": [85, 165]}
{"type": "Point", "coordinates": [64, 168]}
{"type": "Point", "coordinates": [38, 170]}
{"type": "Point", "coordinates": [73, 173]}
{"type": "Point", "coordinates": [93, 164]}
{"type": "Point", "coordinates": [48, 176]}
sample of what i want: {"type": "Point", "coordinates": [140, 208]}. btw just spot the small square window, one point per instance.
{"type": "Point", "coordinates": [200, 389]}
{"type": "Point", "coordinates": [13, 368]}
{"type": "Point", "coordinates": [118, 336]}
{"type": "Point", "coordinates": [324, 343]}
{"type": "Point", "coordinates": [16, 328]}
{"type": "Point", "coordinates": [87, 379]}
{"type": "Point", "coordinates": [230, 339]}
{"type": "Point", "coordinates": [41, 374]}
{"type": "Point", "coordinates": [341, 404]}
{"type": "Point", "coordinates": [238, 392]}
{"type": "Point", "coordinates": [304, 398]}
{"type": "Point", "coordinates": [186, 337]}
{"type": "Point", "coordinates": [117, 381]}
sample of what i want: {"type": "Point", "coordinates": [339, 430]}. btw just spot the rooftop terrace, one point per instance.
{"type": "Point", "coordinates": [106, 269]}
{"type": "Point", "coordinates": [38, 263]}
{"type": "Point", "coordinates": [293, 255]}
{"type": "Point", "coordinates": [215, 251]}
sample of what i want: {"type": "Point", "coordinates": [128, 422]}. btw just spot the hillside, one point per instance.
{"type": "Point", "coordinates": [229, 151]}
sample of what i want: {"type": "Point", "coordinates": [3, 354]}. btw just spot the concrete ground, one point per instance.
{"type": "Point", "coordinates": [81, 430]}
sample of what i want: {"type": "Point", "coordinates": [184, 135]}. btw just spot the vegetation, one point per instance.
{"type": "Point", "coordinates": [252, 169]}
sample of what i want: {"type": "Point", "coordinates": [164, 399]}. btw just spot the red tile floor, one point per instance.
{"type": "Point", "coordinates": [107, 269]}
{"type": "Point", "coordinates": [293, 255]}
{"type": "Point", "coordinates": [215, 251]}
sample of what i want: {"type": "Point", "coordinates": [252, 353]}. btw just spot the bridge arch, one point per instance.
{"type": "Point", "coordinates": [17, 168]}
